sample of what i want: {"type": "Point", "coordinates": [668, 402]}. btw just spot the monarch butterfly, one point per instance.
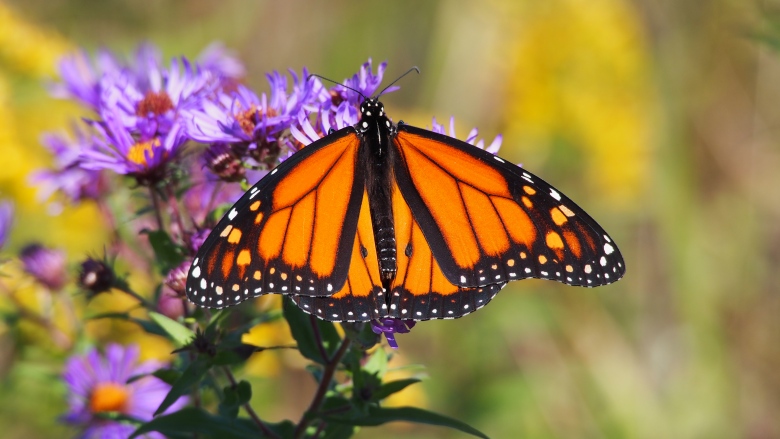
{"type": "Point", "coordinates": [379, 220]}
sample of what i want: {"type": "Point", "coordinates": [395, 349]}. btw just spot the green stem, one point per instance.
{"type": "Point", "coordinates": [322, 389]}
{"type": "Point", "coordinates": [248, 408]}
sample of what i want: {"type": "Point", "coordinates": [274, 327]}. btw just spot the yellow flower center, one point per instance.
{"type": "Point", "coordinates": [137, 153]}
{"type": "Point", "coordinates": [108, 397]}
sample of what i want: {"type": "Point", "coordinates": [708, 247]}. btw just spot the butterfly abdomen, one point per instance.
{"type": "Point", "coordinates": [377, 159]}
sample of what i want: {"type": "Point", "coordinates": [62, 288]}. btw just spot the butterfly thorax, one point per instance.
{"type": "Point", "coordinates": [376, 133]}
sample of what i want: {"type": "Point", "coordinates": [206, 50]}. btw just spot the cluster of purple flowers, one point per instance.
{"type": "Point", "coordinates": [189, 131]}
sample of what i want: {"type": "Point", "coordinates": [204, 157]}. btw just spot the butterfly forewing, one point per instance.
{"type": "Point", "coordinates": [292, 233]}
{"type": "Point", "coordinates": [488, 221]}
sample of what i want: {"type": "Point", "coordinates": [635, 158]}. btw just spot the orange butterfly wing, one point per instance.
{"type": "Point", "coordinates": [420, 291]}
{"type": "Point", "coordinates": [361, 298]}
{"type": "Point", "coordinates": [488, 222]}
{"type": "Point", "coordinates": [292, 233]}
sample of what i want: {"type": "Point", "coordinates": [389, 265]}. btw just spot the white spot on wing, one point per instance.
{"type": "Point", "coordinates": [234, 212]}
{"type": "Point", "coordinates": [608, 249]}
{"type": "Point", "coordinates": [555, 194]}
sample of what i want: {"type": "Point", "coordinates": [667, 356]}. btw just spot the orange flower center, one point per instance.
{"type": "Point", "coordinates": [154, 102]}
{"type": "Point", "coordinates": [247, 120]}
{"type": "Point", "coordinates": [108, 397]}
{"type": "Point", "coordinates": [137, 152]}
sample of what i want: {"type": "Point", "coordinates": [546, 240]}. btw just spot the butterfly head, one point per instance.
{"type": "Point", "coordinates": [372, 108]}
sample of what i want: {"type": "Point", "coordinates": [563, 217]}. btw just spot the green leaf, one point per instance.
{"type": "Point", "coordinates": [244, 392]}
{"type": "Point", "coordinates": [197, 420]}
{"type": "Point", "coordinates": [302, 330]}
{"type": "Point", "coordinates": [338, 431]}
{"type": "Point", "coordinates": [382, 415]}
{"type": "Point", "coordinates": [234, 398]}
{"type": "Point", "coordinates": [188, 379]}
{"type": "Point", "coordinates": [388, 389]}
{"type": "Point", "coordinates": [169, 376]}
{"type": "Point", "coordinates": [167, 254]}
{"type": "Point", "coordinates": [181, 334]}
{"type": "Point", "coordinates": [229, 405]}
{"type": "Point", "coordinates": [377, 364]}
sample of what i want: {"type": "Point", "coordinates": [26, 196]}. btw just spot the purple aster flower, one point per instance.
{"type": "Point", "coordinates": [68, 177]}
{"type": "Point", "coordinates": [81, 76]}
{"type": "Point", "coordinates": [390, 327]}
{"type": "Point", "coordinates": [6, 220]}
{"type": "Point", "coordinates": [149, 104]}
{"type": "Point", "coordinates": [306, 132]}
{"type": "Point", "coordinates": [364, 81]}
{"type": "Point", "coordinates": [99, 384]}
{"type": "Point", "coordinates": [46, 265]}
{"type": "Point", "coordinates": [471, 138]}
{"type": "Point", "coordinates": [338, 107]}
{"type": "Point", "coordinates": [118, 150]}
{"type": "Point", "coordinates": [256, 124]}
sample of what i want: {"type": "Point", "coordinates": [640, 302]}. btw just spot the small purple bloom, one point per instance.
{"type": "Point", "coordinates": [198, 238]}
{"type": "Point", "coordinates": [390, 327]}
{"type": "Point", "coordinates": [118, 150]}
{"type": "Point", "coordinates": [471, 138]}
{"type": "Point", "coordinates": [99, 384]}
{"type": "Point", "coordinates": [68, 177]}
{"type": "Point", "coordinates": [176, 280]}
{"type": "Point", "coordinates": [364, 81]}
{"type": "Point", "coordinates": [338, 106]}
{"type": "Point", "coordinates": [46, 265]}
{"type": "Point", "coordinates": [6, 220]}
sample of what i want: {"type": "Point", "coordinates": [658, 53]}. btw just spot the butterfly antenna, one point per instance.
{"type": "Point", "coordinates": [337, 83]}
{"type": "Point", "coordinates": [413, 69]}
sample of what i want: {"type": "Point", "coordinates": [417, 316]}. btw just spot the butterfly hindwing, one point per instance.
{"type": "Point", "coordinates": [292, 232]}
{"type": "Point", "coordinates": [420, 291]}
{"type": "Point", "coordinates": [361, 298]}
{"type": "Point", "coordinates": [488, 221]}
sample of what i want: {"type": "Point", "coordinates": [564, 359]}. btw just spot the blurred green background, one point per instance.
{"type": "Point", "coordinates": [660, 118]}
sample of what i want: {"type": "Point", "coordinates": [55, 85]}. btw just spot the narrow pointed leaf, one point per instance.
{"type": "Point", "coordinates": [181, 334]}
{"type": "Point", "coordinates": [382, 415]}
{"type": "Point", "coordinates": [188, 379]}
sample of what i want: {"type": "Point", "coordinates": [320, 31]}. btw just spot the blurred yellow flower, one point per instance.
{"type": "Point", "coordinates": [28, 52]}
{"type": "Point", "coordinates": [276, 333]}
{"type": "Point", "coordinates": [581, 81]}
{"type": "Point", "coordinates": [26, 48]}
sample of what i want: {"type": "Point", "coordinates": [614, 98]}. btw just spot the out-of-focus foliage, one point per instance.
{"type": "Point", "coordinates": [660, 118]}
